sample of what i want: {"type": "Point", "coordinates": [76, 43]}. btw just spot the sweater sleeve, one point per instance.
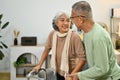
{"type": "Point", "coordinates": [100, 60]}
{"type": "Point", "coordinates": [78, 47]}
{"type": "Point", "coordinates": [48, 44]}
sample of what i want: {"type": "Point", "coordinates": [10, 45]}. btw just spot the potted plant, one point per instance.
{"type": "Point", "coordinates": [21, 60]}
{"type": "Point", "coordinates": [2, 44]}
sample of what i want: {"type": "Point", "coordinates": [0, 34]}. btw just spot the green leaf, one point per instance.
{"type": "Point", "coordinates": [4, 45]}
{"type": "Point", "coordinates": [5, 25]}
{"type": "Point", "coordinates": [1, 47]}
{"type": "Point", "coordinates": [0, 22]}
{"type": "Point", "coordinates": [1, 16]}
{"type": "Point", "coordinates": [15, 64]}
{"type": "Point", "coordinates": [1, 55]}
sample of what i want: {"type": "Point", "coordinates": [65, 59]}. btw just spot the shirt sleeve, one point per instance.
{"type": "Point", "coordinates": [48, 44]}
{"type": "Point", "coordinates": [100, 60]}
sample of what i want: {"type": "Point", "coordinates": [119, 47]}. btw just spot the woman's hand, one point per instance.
{"type": "Point", "coordinates": [37, 68]}
{"type": "Point", "coordinates": [73, 76]}
{"type": "Point", "coordinates": [68, 78]}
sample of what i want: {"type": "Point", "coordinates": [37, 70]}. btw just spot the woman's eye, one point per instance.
{"type": "Point", "coordinates": [62, 20]}
{"type": "Point", "coordinates": [68, 20]}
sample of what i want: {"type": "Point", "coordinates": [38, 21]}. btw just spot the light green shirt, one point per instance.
{"type": "Point", "coordinates": [100, 56]}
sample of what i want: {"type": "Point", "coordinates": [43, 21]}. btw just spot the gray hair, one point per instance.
{"type": "Point", "coordinates": [55, 19]}
{"type": "Point", "coordinates": [83, 8]}
{"type": "Point", "coordinates": [58, 15]}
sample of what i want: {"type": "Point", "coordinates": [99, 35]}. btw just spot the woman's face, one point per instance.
{"type": "Point", "coordinates": [63, 23]}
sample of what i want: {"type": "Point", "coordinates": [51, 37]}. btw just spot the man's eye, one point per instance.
{"type": "Point", "coordinates": [68, 20]}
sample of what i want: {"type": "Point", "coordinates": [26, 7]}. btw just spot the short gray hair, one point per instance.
{"type": "Point", "coordinates": [55, 19]}
{"type": "Point", "coordinates": [84, 8]}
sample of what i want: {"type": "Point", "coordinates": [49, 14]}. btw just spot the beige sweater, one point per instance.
{"type": "Point", "coordinates": [76, 50]}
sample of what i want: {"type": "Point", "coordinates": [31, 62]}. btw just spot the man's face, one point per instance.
{"type": "Point", "coordinates": [75, 18]}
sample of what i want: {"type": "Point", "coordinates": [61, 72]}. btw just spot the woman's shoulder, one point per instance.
{"type": "Point", "coordinates": [51, 33]}
{"type": "Point", "coordinates": [75, 35]}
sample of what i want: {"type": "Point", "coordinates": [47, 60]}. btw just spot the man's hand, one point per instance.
{"type": "Point", "coordinates": [73, 76]}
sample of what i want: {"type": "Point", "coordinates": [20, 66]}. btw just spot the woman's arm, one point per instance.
{"type": "Point", "coordinates": [43, 58]}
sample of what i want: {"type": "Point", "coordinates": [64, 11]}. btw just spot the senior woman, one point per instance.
{"type": "Point", "coordinates": [68, 55]}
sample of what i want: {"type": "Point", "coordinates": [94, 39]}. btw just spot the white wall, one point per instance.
{"type": "Point", "coordinates": [33, 18]}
